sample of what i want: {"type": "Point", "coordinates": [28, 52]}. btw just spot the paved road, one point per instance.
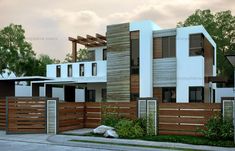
{"type": "Point", "coordinates": [29, 146]}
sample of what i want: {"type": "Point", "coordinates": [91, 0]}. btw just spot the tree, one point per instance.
{"type": "Point", "coordinates": [16, 53]}
{"type": "Point", "coordinates": [221, 26]}
{"type": "Point", "coordinates": [81, 55]}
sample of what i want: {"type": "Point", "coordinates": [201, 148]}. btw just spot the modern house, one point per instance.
{"type": "Point", "coordinates": [138, 59]}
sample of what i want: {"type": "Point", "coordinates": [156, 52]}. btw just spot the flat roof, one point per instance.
{"type": "Point", "coordinates": [26, 78]}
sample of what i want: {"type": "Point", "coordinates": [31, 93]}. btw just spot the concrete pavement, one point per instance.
{"type": "Point", "coordinates": [43, 142]}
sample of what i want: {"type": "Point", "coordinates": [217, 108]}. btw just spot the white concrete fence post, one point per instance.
{"type": "Point", "coordinates": [52, 116]}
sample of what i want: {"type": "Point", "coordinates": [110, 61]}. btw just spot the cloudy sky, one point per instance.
{"type": "Point", "coordinates": [49, 23]}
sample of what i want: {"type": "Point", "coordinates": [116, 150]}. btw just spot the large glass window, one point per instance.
{"type": "Point", "coordinates": [91, 55]}
{"type": "Point", "coordinates": [135, 48]}
{"type": "Point", "coordinates": [169, 95]}
{"type": "Point", "coordinates": [196, 45]}
{"type": "Point", "coordinates": [94, 69]}
{"type": "Point", "coordinates": [104, 54]}
{"type": "Point", "coordinates": [81, 70]}
{"type": "Point", "coordinates": [168, 46]}
{"type": "Point", "coordinates": [104, 94]}
{"type": "Point", "coordinates": [196, 94]}
{"type": "Point", "coordinates": [58, 70]}
{"type": "Point", "coordinates": [70, 70]}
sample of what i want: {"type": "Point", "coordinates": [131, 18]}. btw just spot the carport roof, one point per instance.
{"type": "Point", "coordinates": [26, 78]}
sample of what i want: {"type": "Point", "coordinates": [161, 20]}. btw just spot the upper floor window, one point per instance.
{"type": "Point", "coordinates": [91, 55]}
{"type": "Point", "coordinates": [81, 70]}
{"type": "Point", "coordinates": [134, 48]}
{"type": "Point", "coordinates": [104, 54]}
{"type": "Point", "coordinates": [94, 69]}
{"type": "Point", "coordinates": [168, 46]}
{"type": "Point", "coordinates": [196, 94]}
{"type": "Point", "coordinates": [58, 70]}
{"type": "Point", "coordinates": [70, 70]}
{"type": "Point", "coordinates": [196, 45]}
{"type": "Point", "coordinates": [169, 95]}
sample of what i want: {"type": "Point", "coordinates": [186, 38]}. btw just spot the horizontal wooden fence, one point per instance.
{"type": "Point", "coordinates": [2, 113]}
{"type": "Point", "coordinates": [89, 114]}
{"type": "Point", "coordinates": [26, 115]}
{"type": "Point", "coordinates": [185, 118]}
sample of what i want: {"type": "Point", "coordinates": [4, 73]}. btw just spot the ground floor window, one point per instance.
{"type": "Point", "coordinates": [169, 95]}
{"type": "Point", "coordinates": [104, 94]}
{"type": "Point", "coordinates": [90, 96]}
{"type": "Point", "coordinates": [196, 94]}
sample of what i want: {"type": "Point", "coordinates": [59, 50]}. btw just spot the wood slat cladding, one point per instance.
{"type": "Point", "coordinates": [164, 72]}
{"type": "Point", "coordinates": [208, 55]}
{"type": "Point", "coordinates": [157, 93]}
{"type": "Point", "coordinates": [118, 62]}
{"type": "Point", "coordinates": [157, 48]}
{"type": "Point", "coordinates": [134, 83]}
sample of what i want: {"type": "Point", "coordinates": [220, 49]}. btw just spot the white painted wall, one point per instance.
{"type": "Point", "coordinates": [146, 55]}
{"type": "Point", "coordinates": [190, 69]}
{"type": "Point", "coordinates": [100, 77]}
{"type": "Point", "coordinates": [223, 92]}
{"type": "Point", "coordinates": [23, 90]}
{"type": "Point", "coordinates": [80, 95]}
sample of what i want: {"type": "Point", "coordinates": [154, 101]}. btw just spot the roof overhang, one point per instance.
{"type": "Point", "coordinates": [26, 78]}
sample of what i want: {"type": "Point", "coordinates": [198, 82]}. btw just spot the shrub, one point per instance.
{"type": "Point", "coordinates": [129, 129]}
{"type": "Point", "coordinates": [217, 128]}
{"type": "Point", "coordinates": [110, 120]}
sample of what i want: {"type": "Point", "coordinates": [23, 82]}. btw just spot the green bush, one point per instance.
{"type": "Point", "coordinates": [217, 129]}
{"type": "Point", "coordinates": [129, 129]}
{"type": "Point", "coordinates": [110, 120]}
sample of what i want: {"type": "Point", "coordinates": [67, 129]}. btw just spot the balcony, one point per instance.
{"type": "Point", "coordinates": [88, 72]}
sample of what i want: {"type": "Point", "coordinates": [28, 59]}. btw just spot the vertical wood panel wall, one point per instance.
{"type": "Point", "coordinates": [118, 62]}
{"type": "Point", "coordinates": [208, 55]}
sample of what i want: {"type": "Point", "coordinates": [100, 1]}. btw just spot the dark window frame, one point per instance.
{"type": "Point", "coordinates": [94, 69]}
{"type": "Point", "coordinates": [70, 74]}
{"type": "Point", "coordinates": [194, 50]}
{"type": "Point", "coordinates": [89, 93]}
{"type": "Point", "coordinates": [58, 70]}
{"type": "Point", "coordinates": [81, 73]}
{"type": "Point", "coordinates": [172, 100]}
{"type": "Point", "coordinates": [104, 94]}
{"type": "Point", "coordinates": [105, 54]}
{"type": "Point", "coordinates": [134, 36]}
{"type": "Point", "coordinates": [196, 100]}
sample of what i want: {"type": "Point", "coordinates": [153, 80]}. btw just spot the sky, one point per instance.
{"type": "Point", "coordinates": [48, 24]}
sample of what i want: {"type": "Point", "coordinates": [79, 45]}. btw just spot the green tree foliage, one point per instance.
{"type": "Point", "coordinates": [221, 26]}
{"type": "Point", "coordinates": [81, 56]}
{"type": "Point", "coordinates": [17, 54]}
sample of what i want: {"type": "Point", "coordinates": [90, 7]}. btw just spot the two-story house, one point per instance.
{"type": "Point", "coordinates": [139, 59]}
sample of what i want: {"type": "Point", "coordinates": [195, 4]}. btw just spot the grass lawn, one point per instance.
{"type": "Point", "coordinates": [195, 140]}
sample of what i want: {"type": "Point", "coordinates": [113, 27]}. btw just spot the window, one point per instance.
{"type": "Point", "coordinates": [168, 95]}
{"type": "Point", "coordinates": [58, 70]}
{"type": "Point", "coordinates": [91, 55]}
{"type": "Point", "coordinates": [81, 69]}
{"type": "Point", "coordinates": [104, 54]}
{"type": "Point", "coordinates": [196, 45]}
{"type": "Point", "coordinates": [168, 46]}
{"type": "Point", "coordinates": [104, 94]}
{"type": "Point", "coordinates": [94, 69]}
{"type": "Point", "coordinates": [70, 70]}
{"type": "Point", "coordinates": [196, 94]}
{"type": "Point", "coordinates": [90, 96]}
{"type": "Point", "coordinates": [134, 52]}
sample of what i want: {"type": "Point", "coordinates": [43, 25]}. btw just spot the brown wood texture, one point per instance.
{"type": "Point", "coordinates": [135, 83]}
{"type": "Point", "coordinates": [157, 48]}
{"type": "Point", "coordinates": [2, 114]}
{"type": "Point", "coordinates": [157, 93]}
{"type": "Point", "coordinates": [118, 62]}
{"type": "Point", "coordinates": [89, 114]}
{"type": "Point", "coordinates": [185, 118]}
{"type": "Point", "coordinates": [208, 55]}
{"type": "Point", "coordinates": [26, 115]}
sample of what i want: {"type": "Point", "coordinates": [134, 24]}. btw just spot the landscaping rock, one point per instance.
{"type": "Point", "coordinates": [102, 129]}
{"type": "Point", "coordinates": [111, 134]}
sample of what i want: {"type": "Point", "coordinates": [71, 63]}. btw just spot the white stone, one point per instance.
{"type": "Point", "coordinates": [111, 134]}
{"type": "Point", "coordinates": [102, 129]}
